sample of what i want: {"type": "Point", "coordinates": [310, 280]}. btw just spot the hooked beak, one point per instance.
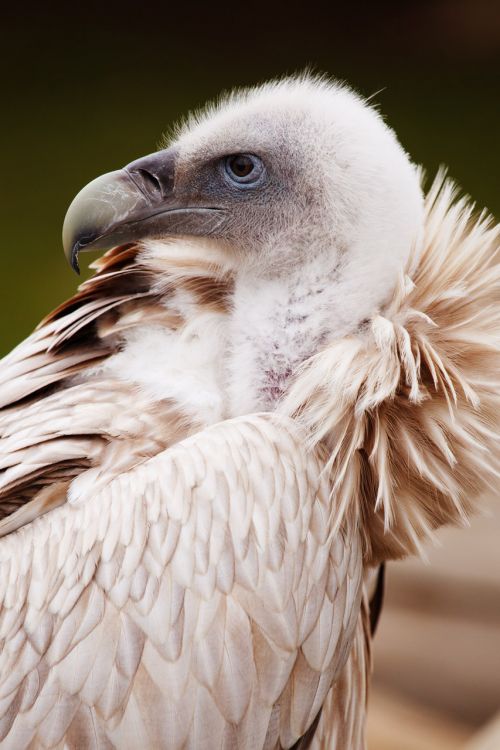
{"type": "Point", "coordinates": [131, 204]}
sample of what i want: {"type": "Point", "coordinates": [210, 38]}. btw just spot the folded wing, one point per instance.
{"type": "Point", "coordinates": [200, 596]}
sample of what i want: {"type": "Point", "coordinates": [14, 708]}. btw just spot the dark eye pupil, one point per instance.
{"type": "Point", "coordinates": [241, 165]}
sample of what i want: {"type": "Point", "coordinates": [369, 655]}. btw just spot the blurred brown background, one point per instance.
{"type": "Point", "coordinates": [85, 90]}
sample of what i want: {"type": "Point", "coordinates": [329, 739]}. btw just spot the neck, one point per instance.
{"type": "Point", "coordinates": [277, 323]}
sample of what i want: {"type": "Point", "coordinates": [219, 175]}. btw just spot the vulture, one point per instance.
{"type": "Point", "coordinates": [284, 372]}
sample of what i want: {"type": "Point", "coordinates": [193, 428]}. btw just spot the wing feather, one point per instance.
{"type": "Point", "coordinates": [63, 408]}
{"type": "Point", "coordinates": [149, 611]}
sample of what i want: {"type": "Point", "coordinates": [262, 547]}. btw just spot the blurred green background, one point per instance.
{"type": "Point", "coordinates": [88, 89]}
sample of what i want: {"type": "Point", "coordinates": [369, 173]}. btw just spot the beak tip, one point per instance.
{"type": "Point", "coordinates": [75, 265]}
{"type": "Point", "coordinates": [72, 251]}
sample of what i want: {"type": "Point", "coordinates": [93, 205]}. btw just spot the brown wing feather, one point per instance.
{"type": "Point", "coordinates": [58, 414]}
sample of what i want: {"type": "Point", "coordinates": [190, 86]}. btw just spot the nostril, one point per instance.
{"type": "Point", "coordinates": [154, 174]}
{"type": "Point", "coordinates": [148, 182]}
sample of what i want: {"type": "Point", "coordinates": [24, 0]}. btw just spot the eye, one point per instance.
{"type": "Point", "coordinates": [243, 168]}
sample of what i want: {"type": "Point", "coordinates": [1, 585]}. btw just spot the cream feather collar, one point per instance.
{"type": "Point", "coordinates": [410, 408]}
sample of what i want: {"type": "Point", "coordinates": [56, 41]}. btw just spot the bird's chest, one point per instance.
{"type": "Point", "coordinates": [184, 367]}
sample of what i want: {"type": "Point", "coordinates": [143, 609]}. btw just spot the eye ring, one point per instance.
{"type": "Point", "coordinates": [243, 169]}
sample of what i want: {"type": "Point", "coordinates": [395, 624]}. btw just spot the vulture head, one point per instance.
{"type": "Point", "coordinates": [300, 182]}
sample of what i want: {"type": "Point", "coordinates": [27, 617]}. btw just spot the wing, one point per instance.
{"type": "Point", "coordinates": [348, 697]}
{"type": "Point", "coordinates": [68, 398]}
{"type": "Point", "coordinates": [198, 600]}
